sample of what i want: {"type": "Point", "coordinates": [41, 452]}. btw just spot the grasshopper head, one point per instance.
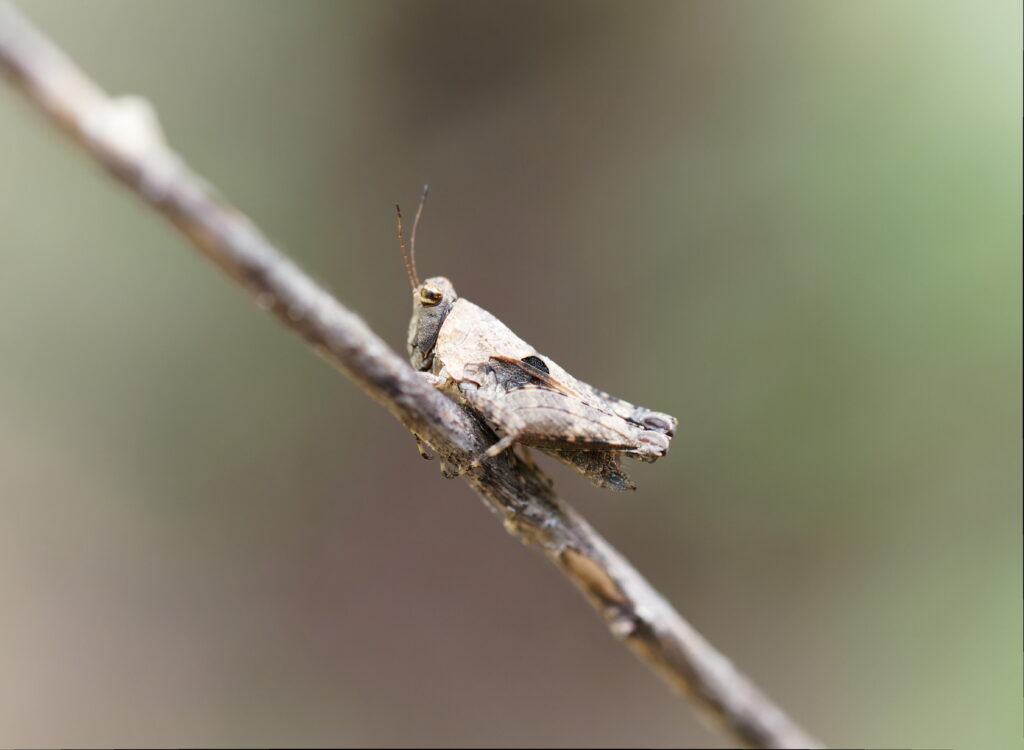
{"type": "Point", "coordinates": [431, 302]}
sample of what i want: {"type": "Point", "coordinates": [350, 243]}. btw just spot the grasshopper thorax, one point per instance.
{"type": "Point", "coordinates": [431, 302]}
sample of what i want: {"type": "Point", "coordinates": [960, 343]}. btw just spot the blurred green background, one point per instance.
{"type": "Point", "coordinates": [796, 226]}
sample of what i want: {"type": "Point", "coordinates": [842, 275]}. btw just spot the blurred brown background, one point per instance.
{"type": "Point", "coordinates": [796, 226]}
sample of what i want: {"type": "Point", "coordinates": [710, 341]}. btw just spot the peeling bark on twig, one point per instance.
{"type": "Point", "coordinates": [124, 136]}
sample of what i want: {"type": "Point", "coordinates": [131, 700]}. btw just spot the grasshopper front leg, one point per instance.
{"type": "Point", "coordinates": [442, 383]}
{"type": "Point", "coordinates": [437, 382]}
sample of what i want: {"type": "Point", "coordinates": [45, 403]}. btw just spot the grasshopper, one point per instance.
{"type": "Point", "coordinates": [524, 396]}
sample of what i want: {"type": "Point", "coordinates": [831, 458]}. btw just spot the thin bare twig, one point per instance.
{"type": "Point", "coordinates": [123, 135]}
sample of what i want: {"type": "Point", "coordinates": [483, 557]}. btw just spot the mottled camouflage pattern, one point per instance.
{"type": "Point", "coordinates": [523, 395]}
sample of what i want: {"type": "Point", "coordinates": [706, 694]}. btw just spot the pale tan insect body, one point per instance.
{"type": "Point", "coordinates": [526, 397]}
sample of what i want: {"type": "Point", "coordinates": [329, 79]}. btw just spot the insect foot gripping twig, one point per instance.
{"type": "Point", "coordinates": [509, 484]}
{"type": "Point", "coordinates": [422, 448]}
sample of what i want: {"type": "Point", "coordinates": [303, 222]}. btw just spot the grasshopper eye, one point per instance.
{"type": "Point", "coordinates": [430, 295]}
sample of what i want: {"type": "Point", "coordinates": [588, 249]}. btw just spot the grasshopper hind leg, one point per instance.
{"type": "Point", "coordinates": [602, 468]}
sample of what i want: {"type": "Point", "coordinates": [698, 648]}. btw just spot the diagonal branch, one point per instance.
{"type": "Point", "coordinates": [123, 135]}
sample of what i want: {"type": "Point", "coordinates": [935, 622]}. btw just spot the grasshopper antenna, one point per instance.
{"type": "Point", "coordinates": [416, 223]}
{"type": "Point", "coordinates": [413, 280]}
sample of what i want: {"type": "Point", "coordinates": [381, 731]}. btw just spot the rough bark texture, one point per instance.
{"type": "Point", "coordinates": [123, 135]}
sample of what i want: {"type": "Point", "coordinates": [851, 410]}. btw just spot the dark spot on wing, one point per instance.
{"type": "Point", "coordinates": [512, 374]}
{"type": "Point", "coordinates": [537, 363]}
